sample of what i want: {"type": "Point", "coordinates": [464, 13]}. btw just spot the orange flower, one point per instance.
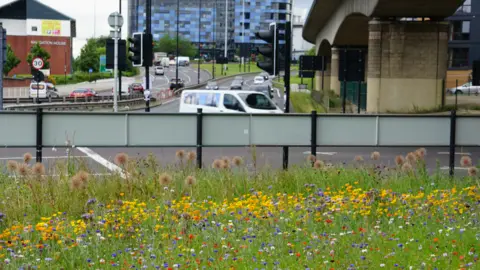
{"type": "Point", "coordinates": [435, 240]}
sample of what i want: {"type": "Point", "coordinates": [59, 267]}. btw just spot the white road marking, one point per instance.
{"type": "Point", "coordinates": [57, 157]}
{"type": "Point", "coordinates": [456, 168]}
{"type": "Point", "coordinates": [102, 161]}
{"type": "Point", "coordinates": [456, 153]}
{"type": "Point", "coordinates": [321, 153]}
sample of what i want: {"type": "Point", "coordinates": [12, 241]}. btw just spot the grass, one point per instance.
{"type": "Point", "coordinates": [233, 69]}
{"type": "Point", "coordinates": [304, 103]}
{"type": "Point", "coordinates": [234, 216]}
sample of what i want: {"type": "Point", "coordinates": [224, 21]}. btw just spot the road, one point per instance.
{"type": "Point", "coordinates": [172, 106]}
{"type": "Point", "coordinates": [100, 160]}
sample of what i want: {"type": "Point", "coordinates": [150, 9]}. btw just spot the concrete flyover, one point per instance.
{"type": "Point", "coordinates": [404, 44]}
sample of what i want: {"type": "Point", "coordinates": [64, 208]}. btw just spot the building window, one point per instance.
{"type": "Point", "coordinates": [466, 7]}
{"type": "Point", "coordinates": [247, 25]}
{"type": "Point", "coordinates": [458, 57]}
{"type": "Point", "coordinates": [282, 6]}
{"type": "Point", "coordinates": [247, 15]}
{"type": "Point", "coordinates": [34, 29]}
{"type": "Point", "coordinates": [460, 30]}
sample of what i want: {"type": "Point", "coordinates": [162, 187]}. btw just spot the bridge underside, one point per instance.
{"type": "Point", "coordinates": [404, 60]}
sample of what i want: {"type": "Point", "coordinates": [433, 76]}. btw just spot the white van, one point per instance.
{"type": "Point", "coordinates": [45, 90]}
{"type": "Point", "coordinates": [221, 101]}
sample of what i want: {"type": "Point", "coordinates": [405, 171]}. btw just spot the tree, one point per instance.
{"type": "Point", "coordinates": [89, 56]}
{"type": "Point", "coordinates": [12, 61]}
{"type": "Point", "coordinates": [168, 45]}
{"type": "Point", "coordinates": [37, 51]}
{"type": "Point", "coordinates": [311, 52]}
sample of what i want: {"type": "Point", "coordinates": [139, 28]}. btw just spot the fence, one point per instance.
{"type": "Point", "coordinates": [209, 130]}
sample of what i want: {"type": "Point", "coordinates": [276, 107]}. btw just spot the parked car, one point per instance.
{"type": "Point", "coordinates": [83, 93]}
{"type": "Point", "coordinates": [258, 80]}
{"type": "Point", "coordinates": [236, 85]}
{"type": "Point", "coordinates": [174, 84]}
{"type": "Point", "coordinates": [159, 70]}
{"type": "Point", "coordinates": [239, 79]}
{"type": "Point", "coordinates": [212, 86]}
{"type": "Point", "coordinates": [466, 88]}
{"type": "Point", "coordinates": [135, 87]}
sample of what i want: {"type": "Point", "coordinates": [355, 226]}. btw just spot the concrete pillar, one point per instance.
{"type": "Point", "coordinates": [407, 62]}
{"type": "Point", "coordinates": [326, 77]}
{"type": "Point", "coordinates": [334, 66]}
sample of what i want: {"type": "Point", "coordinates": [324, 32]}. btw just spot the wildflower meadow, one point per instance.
{"type": "Point", "coordinates": [231, 216]}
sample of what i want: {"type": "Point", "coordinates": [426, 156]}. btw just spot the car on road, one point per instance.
{"type": "Point", "coordinates": [45, 90]}
{"type": "Point", "coordinates": [225, 101]}
{"type": "Point", "coordinates": [236, 85]}
{"type": "Point", "coordinates": [265, 75]}
{"type": "Point", "coordinates": [212, 86]}
{"type": "Point", "coordinates": [135, 87]}
{"type": "Point", "coordinates": [174, 84]}
{"type": "Point", "coordinates": [182, 63]}
{"type": "Point", "coordinates": [263, 88]}
{"type": "Point", "coordinates": [258, 80]}
{"type": "Point", "coordinates": [172, 63]}
{"type": "Point", "coordinates": [159, 70]}
{"type": "Point", "coordinates": [86, 92]}
{"type": "Point", "coordinates": [467, 88]}
{"type": "Point", "coordinates": [239, 78]}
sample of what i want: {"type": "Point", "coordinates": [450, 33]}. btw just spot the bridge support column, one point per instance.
{"type": "Point", "coordinates": [406, 64]}
{"type": "Point", "coordinates": [323, 84]}
{"type": "Point", "coordinates": [334, 66]}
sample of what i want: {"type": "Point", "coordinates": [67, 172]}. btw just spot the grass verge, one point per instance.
{"type": "Point", "coordinates": [236, 216]}
{"type": "Point", "coordinates": [304, 103]}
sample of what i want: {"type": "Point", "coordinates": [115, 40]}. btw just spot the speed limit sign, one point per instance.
{"type": "Point", "coordinates": [37, 63]}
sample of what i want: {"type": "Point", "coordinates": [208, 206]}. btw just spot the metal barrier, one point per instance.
{"type": "Point", "coordinates": [210, 130]}
{"type": "Point", "coordinates": [67, 99]}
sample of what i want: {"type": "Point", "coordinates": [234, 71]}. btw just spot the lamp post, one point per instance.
{"type": "Point", "coordinates": [214, 13]}
{"type": "Point", "coordinates": [243, 36]}
{"type": "Point", "coordinates": [199, 38]}
{"type": "Point", "coordinates": [226, 33]}
{"type": "Point", "coordinates": [176, 64]}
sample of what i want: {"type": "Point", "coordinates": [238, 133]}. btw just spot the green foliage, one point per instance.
{"type": "Point", "coordinates": [311, 52]}
{"type": "Point", "coordinates": [37, 51]}
{"type": "Point", "coordinates": [89, 57]}
{"type": "Point", "coordinates": [12, 61]}
{"type": "Point", "coordinates": [168, 45]}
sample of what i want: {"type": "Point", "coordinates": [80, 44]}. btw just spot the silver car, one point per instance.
{"type": "Point", "coordinates": [212, 86]}
{"type": "Point", "coordinates": [466, 88]}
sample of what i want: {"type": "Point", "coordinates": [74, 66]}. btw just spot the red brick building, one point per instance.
{"type": "Point", "coordinates": [28, 22]}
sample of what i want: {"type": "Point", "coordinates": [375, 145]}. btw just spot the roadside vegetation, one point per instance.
{"type": "Point", "coordinates": [235, 215]}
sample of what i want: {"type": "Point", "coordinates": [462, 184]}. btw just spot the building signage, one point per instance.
{"type": "Point", "coordinates": [49, 42]}
{"type": "Point", "coordinates": [51, 28]}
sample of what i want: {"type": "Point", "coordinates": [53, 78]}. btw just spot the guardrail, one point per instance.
{"type": "Point", "coordinates": [67, 99]}
{"type": "Point", "coordinates": [238, 130]}
{"type": "Point", "coordinates": [78, 106]}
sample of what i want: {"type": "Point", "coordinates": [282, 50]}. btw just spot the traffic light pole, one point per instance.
{"type": "Point", "coordinates": [148, 31]}
{"type": "Point", "coordinates": [288, 51]}
{"type": "Point", "coordinates": [176, 61]}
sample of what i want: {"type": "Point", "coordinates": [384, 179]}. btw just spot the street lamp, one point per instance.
{"type": "Point", "coordinates": [214, 55]}
{"type": "Point", "coordinates": [199, 37]}
{"type": "Point", "coordinates": [226, 33]}
{"type": "Point", "coordinates": [176, 64]}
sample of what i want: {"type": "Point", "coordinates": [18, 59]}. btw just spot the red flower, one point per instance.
{"type": "Point", "coordinates": [329, 221]}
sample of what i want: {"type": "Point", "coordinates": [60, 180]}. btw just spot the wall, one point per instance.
{"type": "Point", "coordinates": [58, 47]}
{"type": "Point", "coordinates": [14, 27]}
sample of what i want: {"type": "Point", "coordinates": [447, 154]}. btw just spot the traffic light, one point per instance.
{"type": "Point", "coordinates": [147, 50]}
{"type": "Point", "coordinates": [270, 52]}
{"type": "Point", "coordinates": [136, 47]}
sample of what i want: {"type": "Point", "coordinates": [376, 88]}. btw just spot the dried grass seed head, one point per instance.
{"type": "Point", "coordinates": [27, 157]}
{"type": "Point", "coordinates": [121, 159]}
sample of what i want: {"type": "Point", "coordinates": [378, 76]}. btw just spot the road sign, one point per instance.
{"type": "Point", "coordinates": [115, 23]}
{"type": "Point", "coordinates": [90, 70]}
{"type": "Point", "coordinates": [37, 63]}
{"type": "Point", "coordinates": [103, 63]}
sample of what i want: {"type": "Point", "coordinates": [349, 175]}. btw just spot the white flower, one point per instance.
{"type": "Point", "coordinates": [7, 261]}
{"type": "Point", "coordinates": [382, 265]}
{"type": "Point", "coordinates": [364, 250]}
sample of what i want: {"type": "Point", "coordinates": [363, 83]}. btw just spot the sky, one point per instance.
{"type": "Point", "coordinates": [92, 15]}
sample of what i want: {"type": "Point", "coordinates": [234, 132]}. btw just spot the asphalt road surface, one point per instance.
{"type": "Point", "coordinates": [173, 105]}
{"type": "Point", "coordinates": [100, 160]}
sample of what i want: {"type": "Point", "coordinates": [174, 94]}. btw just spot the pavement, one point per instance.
{"type": "Point", "coordinates": [100, 160]}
